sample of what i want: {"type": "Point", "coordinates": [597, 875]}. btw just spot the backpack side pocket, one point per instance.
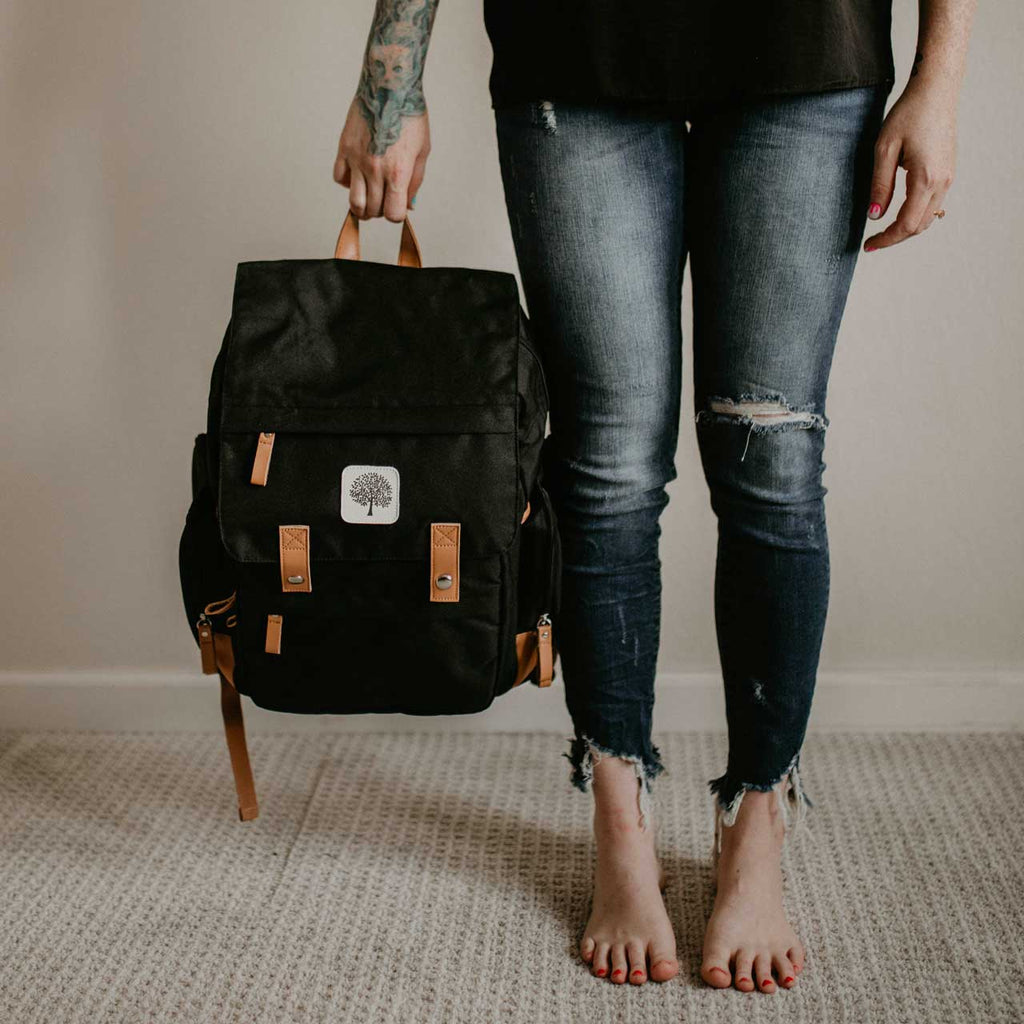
{"type": "Point", "coordinates": [205, 570]}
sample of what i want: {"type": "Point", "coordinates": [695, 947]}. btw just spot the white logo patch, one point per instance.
{"type": "Point", "coordinates": [369, 495]}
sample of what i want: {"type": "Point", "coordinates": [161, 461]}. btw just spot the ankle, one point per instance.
{"type": "Point", "coordinates": [759, 821]}
{"type": "Point", "coordinates": [619, 821]}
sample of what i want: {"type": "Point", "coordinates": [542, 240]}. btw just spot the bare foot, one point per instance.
{"type": "Point", "coordinates": [628, 933]}
{"type": "Point", "coordinates": [749, 942]}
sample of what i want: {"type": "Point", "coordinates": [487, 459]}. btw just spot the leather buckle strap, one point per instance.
{"type": "Point", "coordinates": [294, 545]}
{"type": "Point", "coordinates": [445, 543]}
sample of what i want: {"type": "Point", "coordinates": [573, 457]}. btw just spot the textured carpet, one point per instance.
{"type": "Point", "coordinates": [445, 878]}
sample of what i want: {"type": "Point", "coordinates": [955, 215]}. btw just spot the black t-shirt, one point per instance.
{"type": "Point", "coordinates": [684, 51]}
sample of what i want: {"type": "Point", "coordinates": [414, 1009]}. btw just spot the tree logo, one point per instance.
{"type": "Point", "coordinates": [371, 489]}
{"type": "Point", "coordinates": [369, 495]}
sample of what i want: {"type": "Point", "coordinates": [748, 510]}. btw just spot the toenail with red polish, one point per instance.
{"type": "Point", "coordinates": [600, 971]}
{"type": "Point", "coordinates": [788, 980]}
{"type": "Point", "coordinates": [615, 974]}
{"type": "Point", "coordinates": [744, 979]}
{"type": "Point", "coordinates": [766, 982]}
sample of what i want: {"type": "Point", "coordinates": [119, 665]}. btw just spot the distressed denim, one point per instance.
{"type": "Point", "coordinates": [768, 200]}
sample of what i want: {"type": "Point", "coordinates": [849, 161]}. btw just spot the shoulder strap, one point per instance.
{"type": "Point", "coordinates": [234, 729]}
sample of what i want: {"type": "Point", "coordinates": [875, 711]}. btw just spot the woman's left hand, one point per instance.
{"type": "Point", "coordinates": [918, 134]}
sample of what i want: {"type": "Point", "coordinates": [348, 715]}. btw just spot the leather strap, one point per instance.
{"type": "Point", "coordinates": [532, 647]}
{"type": "Point", "coordinates": [221, 606]}
{"type": "Point", "coordinates": [409, 254]}
{"type": "Point", "coordinates": [274, 626]}
{"type": "Point", "coordinates": [261, 463]}
{"type": "Point", "coordinates": [444, 561]}
{"type": "Point", "coordinates": [546, 655]}
{"type": "Point", "coordinates": [234, 729]}
{"type": "Point", "coordinates": [526, 654]}
{"type": "Point", "coordinates": [294, 544]}
{"type": "Point", "coordinates": [206, 649]}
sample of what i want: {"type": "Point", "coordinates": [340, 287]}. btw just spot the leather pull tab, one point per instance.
{"type": "Point", "coordinates": [294, 543]}
{"type": "Point", "coordinates": [445, 539]}
{"type": "Point", "coordinates": [261, 463]}
{"type": "Point", "coordinates": [206, 650]}
{"type": "Point", "coordinates": [274, 626]}
{"type": "Point", "coordinates": [545, 654]}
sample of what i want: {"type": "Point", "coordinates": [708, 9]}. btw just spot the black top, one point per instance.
{"type": "Point", "coordinates": [684, 51]}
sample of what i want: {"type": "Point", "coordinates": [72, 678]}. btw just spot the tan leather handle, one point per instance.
{"type": "Point", "coordinates": [409, 254]}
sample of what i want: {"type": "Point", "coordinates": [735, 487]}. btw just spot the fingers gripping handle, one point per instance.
{"type": "Point", "coordinates": [409, 254]}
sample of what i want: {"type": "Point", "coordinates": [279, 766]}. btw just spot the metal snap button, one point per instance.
{"type": "Point", "coordinates": [443, 582]}
{"type": "Point", "coordinates": [296, 579]}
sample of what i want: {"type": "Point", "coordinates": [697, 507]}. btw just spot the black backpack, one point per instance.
{"type": "Point", "coordinates": [369, 528]}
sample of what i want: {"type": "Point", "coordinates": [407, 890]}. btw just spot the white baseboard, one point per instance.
{"type": "Point", "coordinates": [845, 701]}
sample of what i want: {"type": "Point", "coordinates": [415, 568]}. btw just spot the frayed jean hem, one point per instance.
{"type": "Point", "coordinates": [793, 801]}
{"type": "Point", "coordinates": [585, 752]}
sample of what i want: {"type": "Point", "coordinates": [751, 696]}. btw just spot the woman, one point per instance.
{"type": "Point", "coordinates": [756, 147]}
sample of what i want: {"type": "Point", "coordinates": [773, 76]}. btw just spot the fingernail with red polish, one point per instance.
{"type": "Point", "coordinates": [874, 211]}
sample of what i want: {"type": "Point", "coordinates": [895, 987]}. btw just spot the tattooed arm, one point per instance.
{"type": "Point", "coordinates": [919, 132]}
{"type": "Point", "coordinates": [384, 145]}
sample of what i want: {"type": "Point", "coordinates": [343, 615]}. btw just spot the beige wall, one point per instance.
{"type": "Point", "coordinates": [149, 147]}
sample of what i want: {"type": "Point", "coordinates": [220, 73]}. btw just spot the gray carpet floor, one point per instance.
{"type": "Point", "coordinates": [445, 878]}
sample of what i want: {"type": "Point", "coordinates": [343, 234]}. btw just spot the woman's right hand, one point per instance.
{"type": "Point", "coordinates": [381, 160]}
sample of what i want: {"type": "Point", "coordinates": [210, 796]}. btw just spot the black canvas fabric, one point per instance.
{"type": "Point", "coordinates": [684, 53]}
{"type": "Point", "coordinates": [431, 371]}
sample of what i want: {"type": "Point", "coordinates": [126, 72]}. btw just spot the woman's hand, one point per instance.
{"type": "Point", "coordinates": [382, 152]}
{"type": "Point", "coordinates": [382, 159]}
{"type": "Point", "coordinates": [918, 134]}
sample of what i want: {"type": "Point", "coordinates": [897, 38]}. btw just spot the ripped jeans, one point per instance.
{"type": "Point", "coordinates": [768, 198]}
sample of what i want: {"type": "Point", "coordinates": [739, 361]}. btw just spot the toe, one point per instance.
{"type": "Point", "coordinates": [763, 973]}
{"type": "Point", "coordinates": [619, 964]}
{"type": "Point", "coordinates": [664, 965]}
{"type": "Point", "coordinates": [744, 972]}
{"type": "Point", "coordinates": [796, 957]}
{"type": "Point", "coordinates": [715, 968]}
{"type": "Point", "coordinates": [784, 970]}
{"type": "Point", "coordinates": [587, 949]}
{"type": "Point", "coordinates": [637, 963]}
{"type": "Point", "coordinates": [599, 963]}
